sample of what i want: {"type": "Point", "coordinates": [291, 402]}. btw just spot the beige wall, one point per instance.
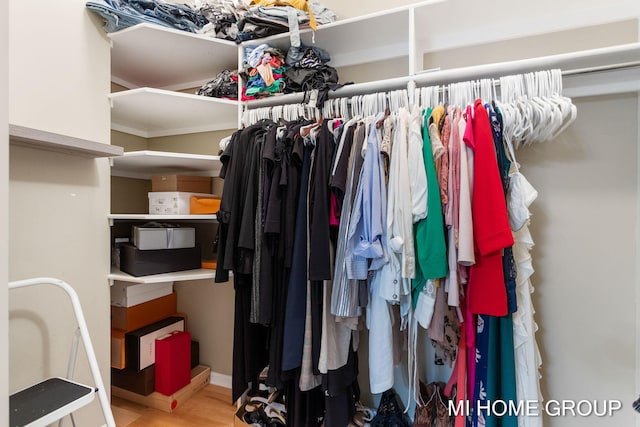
{"type": "Point", "coordinates": [378, 70]}
{"type": "Point", "coordinates": [129, 195]}
{"type": "Point", "coordinates": [129, 142]}
{"type": "Point", "coordinates": [349, 9]}
{"type": "Point", "coordinates": [58, 82]}
{"type": "Point", "coordinates": [540, 45]}
{"type": "Point", "coordinates": [4, 211]}
{"type": "Point", "coordinates": [584, 224]}
{"type": "Point", "coordinates": [206, 143]}
{"type": "Point", "coordinates": [526, 47]}
{"type": "Point", "coordinates": [210, 309]}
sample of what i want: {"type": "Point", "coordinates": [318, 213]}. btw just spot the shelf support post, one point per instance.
{"type": "Point", "coordinates": [240, 84]}
{"type": "Point", "coordinates": [415, 57]}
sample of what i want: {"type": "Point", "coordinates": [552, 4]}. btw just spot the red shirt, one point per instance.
{"type": "Point", "coordinates": [486, 289]}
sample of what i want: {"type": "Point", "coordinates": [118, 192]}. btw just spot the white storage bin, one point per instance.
{"type": "Point", "coordinates": [128, 294]}
{"type": "Point", "coordinates": [171, 202]}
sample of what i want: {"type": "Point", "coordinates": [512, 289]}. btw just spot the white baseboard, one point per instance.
{"type": "Point", "coordinates": [221, 380]}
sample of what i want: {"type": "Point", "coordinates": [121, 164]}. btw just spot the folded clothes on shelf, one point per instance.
{"type": "Point", "coordinates": [121, 14]}
{"type": "Point", "coordinates": [235, 20]}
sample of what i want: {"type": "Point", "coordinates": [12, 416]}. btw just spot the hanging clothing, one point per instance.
{"type": "Point", "coordinates": [344, 298]}
{"type": "Point", "coordinates": [429, 232]}
{"type": "Point", "coordinates": [279, 224]}
{"type": "Point", "coordinates": [336, 335]}
{"type": "Point", "coordinates": [487, 292]}
{"type": "Point", "coordinates": [501, 375]}
{"type": "Point", "coordinates": [249, 357]}
{"type": "Point", "coordinates": [402, 216]}
{"type": "Point", "coordinates": [295, 307]}
{"type": "Point", "coordinates": [396, 275]}
{"type": "Point", "coordinates": [452, 211]}
{"type": "Point", "coordinates": [527, 354]}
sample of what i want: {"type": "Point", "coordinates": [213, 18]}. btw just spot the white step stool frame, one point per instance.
{"type": "Point", "coordinates": [86, 339]}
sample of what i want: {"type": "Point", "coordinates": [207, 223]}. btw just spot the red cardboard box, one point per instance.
{"type": "Point", "coordinates": [141, 343]}
{"type": "Point", "coordinates": [173, 362]}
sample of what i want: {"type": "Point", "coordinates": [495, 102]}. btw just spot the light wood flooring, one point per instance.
{"type": "Point", "coordinates": [210, 407]}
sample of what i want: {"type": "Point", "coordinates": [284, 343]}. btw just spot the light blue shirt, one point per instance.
{"type": "Point", "coordinates": [368, 220]}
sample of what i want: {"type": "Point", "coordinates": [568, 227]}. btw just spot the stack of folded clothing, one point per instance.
{"type": "Point", "coordinates": [263, 72]}
{"type": "Point", "coordinates": [121, 14]}
{"type": "Point", "coordinates": [222, 16]}
{"type": "Point", "coordinates": [233, 20]}
{"type": "Point", "coordinates": [308, 69]}
{"type": "Point", "coordinates": [224, 85]}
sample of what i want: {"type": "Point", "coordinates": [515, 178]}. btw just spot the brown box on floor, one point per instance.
{"type": "Point", "coordinates": [199, 379]}
{"type": "Point", "coordinates": [188, 183]}
{"type": "Point", "coordinates": [142, 382]}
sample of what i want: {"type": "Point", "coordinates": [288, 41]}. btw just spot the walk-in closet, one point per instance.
{"type": "Point", "coordinates": [417, 206]}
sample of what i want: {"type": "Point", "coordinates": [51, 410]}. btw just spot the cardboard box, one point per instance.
{"type": "Point", "coordinates": [131, 318]}
{"type": "Point", "coordinates": [115, 250]}
{"type": "Point", "coordinates": [172, 202]}
{"type": "Point", "coordinates": [142, 382]}
{"type": "Point", "coordinates": [149, 238]}
{"type": "Point", "coordinates": [200, 377]}
{"type": "Point", "coordinates": [118, 355]}
{"type": "Point", "coordinates": [204, 205]}
{"type": "Point", "coordinates": [210, 264]}
{"type": "Point", "coordinates": [143, 263]}
{"type": "Point", "coordinates": [195, 353]}
{"type": "Point", "coordinates": [128, 294]}
{"type": "Point", "coordinates": [173, 362]}
{"type": "Point", "coordinates": [188, 183]}
{"type": "Point", "coordinates": [141, 343]}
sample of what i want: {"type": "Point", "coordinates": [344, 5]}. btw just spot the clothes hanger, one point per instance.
{"type": "Point", "coordinates": [569, 109]}
{"type": "Point", "coordinates": [521, 125]}
{"type": "Point", "coordinates": [372, 104]}
{"type": "Point", "coordinates": [344, 108]}
{"type": "Point", "coordinates": [335, 104]}
{"type": "Point", "coordinates": [354, 105]}
{"type": "Point", "coordinates": [553, 120]}
{"type": "Point", "coordinates": [405, 98]}
{"type": "Point", "coordinates": [487, 94]}
{"type": "Point", "coordinates": [387, 112]}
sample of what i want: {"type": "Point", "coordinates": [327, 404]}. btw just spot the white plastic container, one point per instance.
{"type": "Point", "coordinates": [128, 294]}
{"type": "Point", "coordinates": [171, 202]}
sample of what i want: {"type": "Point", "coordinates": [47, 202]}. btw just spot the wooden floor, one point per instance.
{"type": "Point", "coordinates": [209, 407]}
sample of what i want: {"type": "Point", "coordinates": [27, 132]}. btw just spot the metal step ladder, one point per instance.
{"type": "Point", "coordinates": [54, 398]}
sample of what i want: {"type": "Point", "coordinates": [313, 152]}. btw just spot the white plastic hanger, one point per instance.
{"type": "Point", "coordinates": [566, 105]}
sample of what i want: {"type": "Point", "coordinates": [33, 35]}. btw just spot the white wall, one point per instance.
{"type": "Point", "coordinates": [457, 23]}
{"type": "Point", "coordinates": [59, 73]}
{"type": "Point", "coordinates": [584, 224]}
{"type": "Point", "coordinates": [4, 213]}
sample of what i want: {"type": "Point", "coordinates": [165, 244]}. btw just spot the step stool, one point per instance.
{"type": "Point", "coordinates": [54, 398]}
